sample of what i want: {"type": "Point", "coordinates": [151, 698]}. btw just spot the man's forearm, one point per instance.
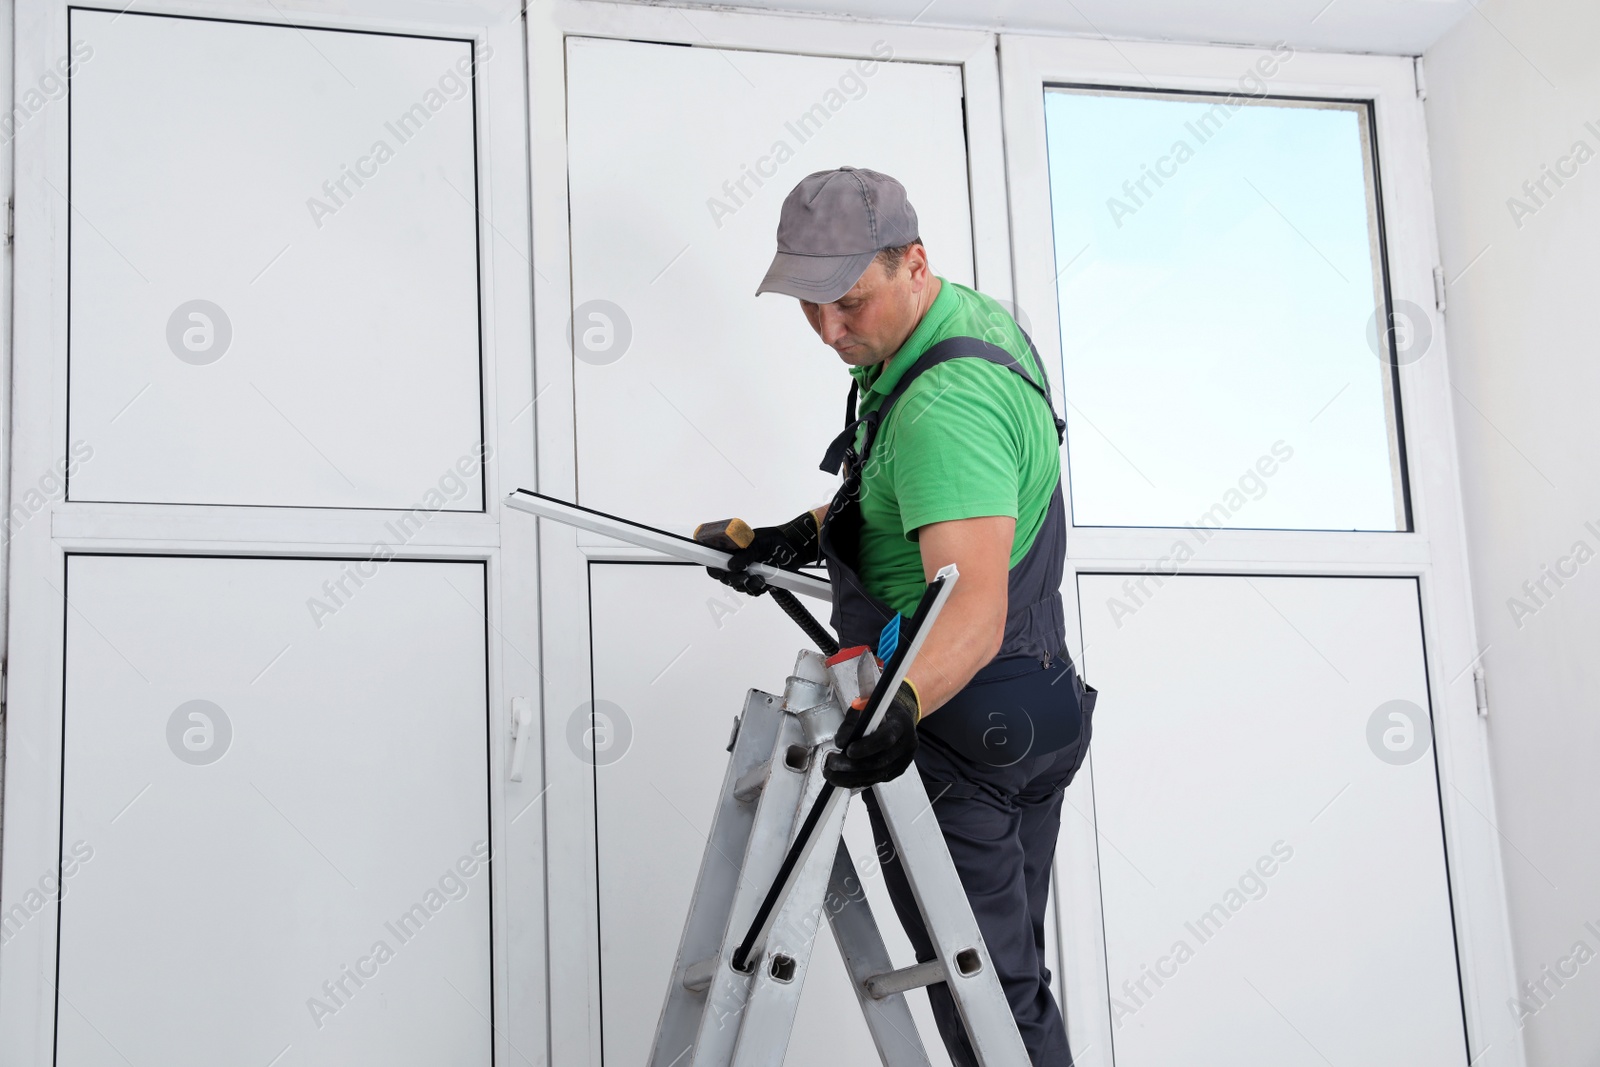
{"type": "Point", "coordinates": [970, 629]}
{"type": "Point", "coordinates": [964, 638]}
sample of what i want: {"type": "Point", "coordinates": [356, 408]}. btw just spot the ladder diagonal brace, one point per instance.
{"type": "Point", "coordinates": [933, 601]}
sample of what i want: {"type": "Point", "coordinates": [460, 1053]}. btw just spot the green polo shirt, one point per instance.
{"type": "Point", "coordinates": [967, 439]}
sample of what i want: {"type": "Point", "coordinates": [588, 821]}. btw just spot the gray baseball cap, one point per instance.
{"type": "Point", "coordinates": [832, 225]}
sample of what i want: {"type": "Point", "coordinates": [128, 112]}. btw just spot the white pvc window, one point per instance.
{"type": "Point", "coordinates": [1228, 311]}
{"type": "Point", "coordinates": [1221, 287]}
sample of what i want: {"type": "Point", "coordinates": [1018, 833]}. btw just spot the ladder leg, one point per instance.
{"type": "Point", "coordinates": [690, 987]}
{"type": "Point", "coordinates": [732, 995]}
{"type": "Point", "coordinates": [780, 973]}
{"type": "Point", "coordinates": [889, 1019]}
{"type": "Point", "coordinates": [967, 969]}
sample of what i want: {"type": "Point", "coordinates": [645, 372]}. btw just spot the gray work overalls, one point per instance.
{"type": "Point", "coordinates": [996, 758]}
{"type": "Point", "coordinates": [1014, 706]}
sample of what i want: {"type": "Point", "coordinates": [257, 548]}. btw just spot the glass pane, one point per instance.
{"type": "Point", "coordinates": [1219, 283]}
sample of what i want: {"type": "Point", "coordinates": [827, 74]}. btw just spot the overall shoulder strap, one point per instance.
{"type": "Point", "coordinates": [833, 458]}
{"type": "Point", "coordinates": [977, 348]}
{"type": "Point", "coordinates": [943, 352]}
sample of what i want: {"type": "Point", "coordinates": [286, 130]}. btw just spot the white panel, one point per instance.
{"type": "Point", "coordinates": [679, 682]}
{"type": "Point", "coordinates": [340, 365]}
{"type": "Point", "coordinates": [680, 158]}
{"type": "Point", "coordinates": [1233, 770]}
{"type": "Point", "coordinates": [1398, 27]}
{"type": "Point", "coordinates": [349, 781]}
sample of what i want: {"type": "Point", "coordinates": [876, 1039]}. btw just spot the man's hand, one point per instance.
{"type": "Point", "coordinates": [790, 546]}
{"type": "Point", "coordinates": [884, 753]}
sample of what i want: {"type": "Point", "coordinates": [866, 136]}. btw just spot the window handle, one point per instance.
{"type": "Point", "coordinates": [521, 728]}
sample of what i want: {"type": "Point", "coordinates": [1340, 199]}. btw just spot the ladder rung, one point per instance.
{"type": "Point", "coordinates": [697, 976]}
{"type": "Point", "coordinates": [916, 976]}
{"type": "Point", "coordinates": [750, 783]}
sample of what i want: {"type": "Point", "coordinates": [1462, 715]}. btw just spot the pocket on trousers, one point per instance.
{"type": "Point", "coordinates": [1011, 710]}
{"type": "Point", "coordinates": [1087, 695]}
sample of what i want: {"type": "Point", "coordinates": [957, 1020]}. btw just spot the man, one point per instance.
{"type": "Point", "coordinates": [953, 459]}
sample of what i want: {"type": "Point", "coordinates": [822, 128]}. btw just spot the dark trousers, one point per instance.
{"type": "Point", "coordinates": [1000, 824]}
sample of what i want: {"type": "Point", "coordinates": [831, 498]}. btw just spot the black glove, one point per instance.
{"type": "Point", "coordinates": [790, 546]}
{"type": "Point", "coordinates": [882, 754]}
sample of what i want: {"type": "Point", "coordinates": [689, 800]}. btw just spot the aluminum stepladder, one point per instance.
{"type": "Point", "coordinates": [776, 865]}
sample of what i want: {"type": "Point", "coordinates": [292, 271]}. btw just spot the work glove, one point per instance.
{"type": "Point", "coordinates": [884, 753]}
{"type": "Point", "coordinates": [790, 546]}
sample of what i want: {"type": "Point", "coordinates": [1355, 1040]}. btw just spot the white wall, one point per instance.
{"type": "Point", "coordinates": [1510, 89]}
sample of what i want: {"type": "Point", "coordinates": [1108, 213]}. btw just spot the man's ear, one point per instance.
{"type": "Point", "coordinates": [917, 263]}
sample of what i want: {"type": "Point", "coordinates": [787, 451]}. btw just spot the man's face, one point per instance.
{"type": "Point", "coordinates": [868, 324]}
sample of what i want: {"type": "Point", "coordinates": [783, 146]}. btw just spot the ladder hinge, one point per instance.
{"type": "Point", "coordinates": [1421, 78]}
{"type": "Point", "coordinates": [1438, 288]}
{"type": "Point", "coordinates": [1480, 691]}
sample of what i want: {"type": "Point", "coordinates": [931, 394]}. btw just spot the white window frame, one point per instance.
{"type": "Point", "coordinates": [36, 565]}
{"type": "Point", "coordinates": [565, 556]}
{"type": "Point", "coordinates": [1434, 552]}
